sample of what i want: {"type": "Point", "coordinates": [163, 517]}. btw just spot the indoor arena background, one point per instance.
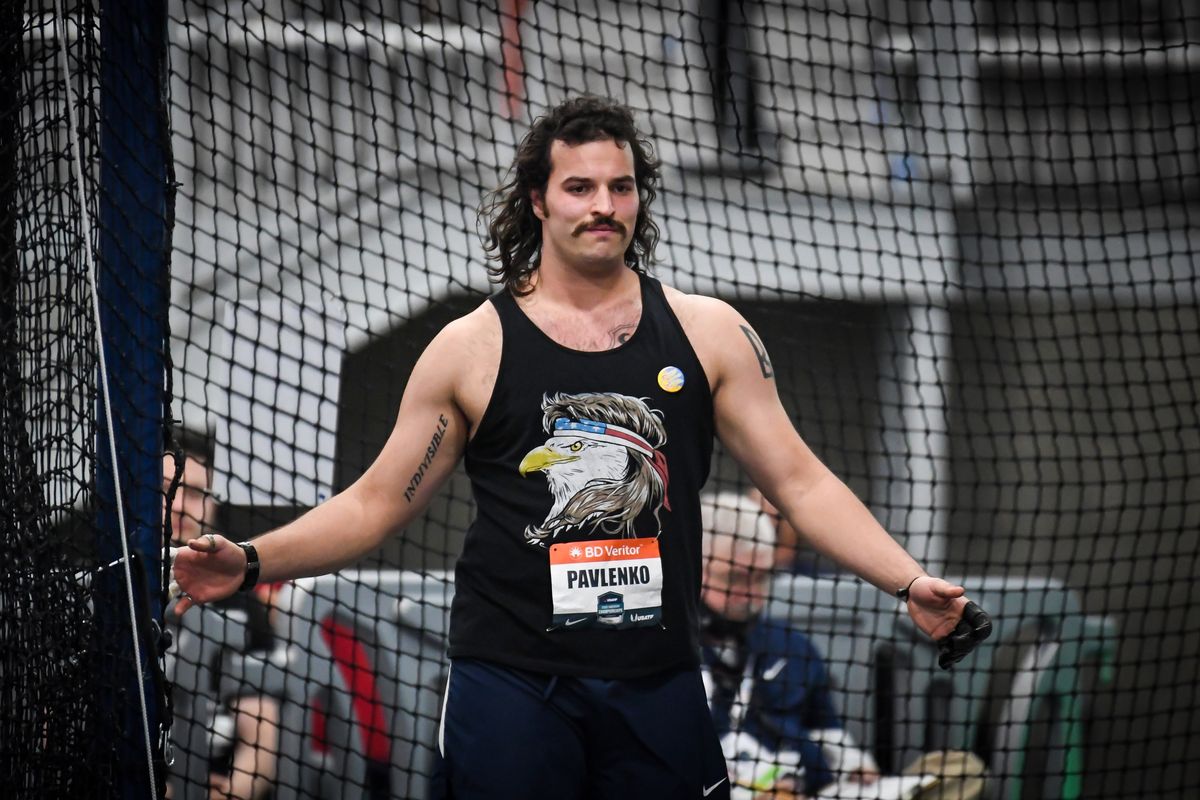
{"type": "Point", "coordinates": [966, 230]}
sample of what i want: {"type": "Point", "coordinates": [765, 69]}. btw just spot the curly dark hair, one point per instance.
{"type": "Point", "coordinates": [514, 234]}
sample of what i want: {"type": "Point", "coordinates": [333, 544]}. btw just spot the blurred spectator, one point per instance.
{"type": "Point", "coordinates": [768, 686]}
{"type": "Point", "coordinates": [245, 730]}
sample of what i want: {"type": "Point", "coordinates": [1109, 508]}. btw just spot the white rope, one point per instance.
{"type": "Point", "coordinates": [85, 222]}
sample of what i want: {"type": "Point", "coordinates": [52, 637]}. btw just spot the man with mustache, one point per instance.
{"type": "Point", "coordinates": [575, 665]}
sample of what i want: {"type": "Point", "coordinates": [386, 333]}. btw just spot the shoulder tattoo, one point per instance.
{"type": "Point", "coordinates": [760, 352]}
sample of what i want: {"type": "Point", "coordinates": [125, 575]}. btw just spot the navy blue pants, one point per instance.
{"type": "Point", "coordinates": [508, 733]}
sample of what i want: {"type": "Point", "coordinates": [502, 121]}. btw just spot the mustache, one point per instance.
{"type": "Point", "coordinates": [599, 222]}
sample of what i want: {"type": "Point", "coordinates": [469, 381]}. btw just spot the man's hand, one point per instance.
{"type": "Point", "coordinates": [940, 609]}
{"type": "Point", "coordinates": [210, 568]}
{"type": "Point", "coordinates": [935, 605]}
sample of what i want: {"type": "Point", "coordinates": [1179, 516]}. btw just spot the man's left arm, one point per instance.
{"type": "Point", "coordinates": [753, 425]}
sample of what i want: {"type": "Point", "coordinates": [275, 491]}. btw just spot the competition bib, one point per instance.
{"type": "Point", "coordinates": [614, 583]}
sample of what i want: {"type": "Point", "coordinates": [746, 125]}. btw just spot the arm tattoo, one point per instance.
{"type": "Point", "coordinates": [431, 451]}
{"type": "Point", "coordinates": [620, 334]}
{"type": "Point", "coordinates": [760, 352]}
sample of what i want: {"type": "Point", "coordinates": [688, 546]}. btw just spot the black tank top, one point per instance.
{"type": "Point", "coordinates": [599, 452]}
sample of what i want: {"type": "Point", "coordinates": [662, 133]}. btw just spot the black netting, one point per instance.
{"type": "Point", "coordinates": [49, 673]}
{"type": "Point", "coordinates": [965, 231]}
{"type": "Point", "coordinates": [71, 723]}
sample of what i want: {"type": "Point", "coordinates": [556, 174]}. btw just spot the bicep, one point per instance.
{"type": "Point", "coordinates": [424, 446]}
{"type": "Point", "coordinates": [750, 419]}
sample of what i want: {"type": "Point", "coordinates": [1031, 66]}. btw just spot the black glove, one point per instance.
{"type": "Point", "coordinates": [973, 628]}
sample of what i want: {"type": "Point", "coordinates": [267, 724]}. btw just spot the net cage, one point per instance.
{"type": "Point", "coordinates": [83, 214]}
{"type": "Point", "coordinates": [965, 231]}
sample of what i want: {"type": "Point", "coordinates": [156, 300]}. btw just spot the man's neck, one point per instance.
{"type": "Point", "coordinates": [583, 290]}
{"type": "Point", "coordinates": [585, 311]}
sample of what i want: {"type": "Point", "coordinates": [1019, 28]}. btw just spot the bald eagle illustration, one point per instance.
{"type": "Point", "coordinates": [602, 462]}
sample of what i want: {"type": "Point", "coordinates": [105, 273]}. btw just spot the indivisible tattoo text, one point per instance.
{"type": "Point", "coordinates": [430, 452]}
{"type": "Point", "coordinates": [760, 352]}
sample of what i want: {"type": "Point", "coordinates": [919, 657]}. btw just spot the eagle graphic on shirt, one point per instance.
{"type": "Point", "coordinates": [603, 464]}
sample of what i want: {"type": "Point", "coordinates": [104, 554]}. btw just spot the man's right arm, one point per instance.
{"type": "Point", "coordinates": [425, 445]}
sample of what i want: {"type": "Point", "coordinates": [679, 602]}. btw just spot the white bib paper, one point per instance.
{"type": "Point", "coordinates": [611, 583]}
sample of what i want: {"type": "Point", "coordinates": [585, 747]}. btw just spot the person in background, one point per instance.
{"type": "Point", "coordinates": [245, 730]}
{"type": "Point", "coordinates": [768, 687]}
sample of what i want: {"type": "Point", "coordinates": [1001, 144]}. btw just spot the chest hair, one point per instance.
{"type": "Point", "coordinates": [588, 332]}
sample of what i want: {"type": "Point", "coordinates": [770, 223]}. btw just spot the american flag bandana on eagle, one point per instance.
{"type": "Point", "coordinates": [605, 432]}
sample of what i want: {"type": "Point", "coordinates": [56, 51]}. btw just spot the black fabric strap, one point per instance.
{"type": "Point", "coordinates": [903, 593]}
{"type": "Point", "coordinates": [252, 567]}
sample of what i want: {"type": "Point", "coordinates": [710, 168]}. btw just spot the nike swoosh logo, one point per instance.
{"type": "Point", "coordinates": [713, 788]}
{"type": "Point", "coordinates": [772, 672]}
{"type": "Point", "coordinates": [571, 622]}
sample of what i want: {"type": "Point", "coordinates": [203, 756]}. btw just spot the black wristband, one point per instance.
{"type": "Point", "coordinates": [252, 567]}
{"type": "Point", "coordinates": [903, 593]}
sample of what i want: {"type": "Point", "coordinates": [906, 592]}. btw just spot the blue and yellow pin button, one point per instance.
{"type": "Point", "coordinates": [670, 379]}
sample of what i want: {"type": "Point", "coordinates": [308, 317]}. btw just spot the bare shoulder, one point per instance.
{"type": "Point", "coordinates": [476, 330]}
{"type": "Point", "coordinates": [700, 310]}
{"type": "Point", "coordinates": [466, 354]}
{"type": "Point", "coordinates": [711, 326]}
{"type": "Point", "coordinates": [704, 319]}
